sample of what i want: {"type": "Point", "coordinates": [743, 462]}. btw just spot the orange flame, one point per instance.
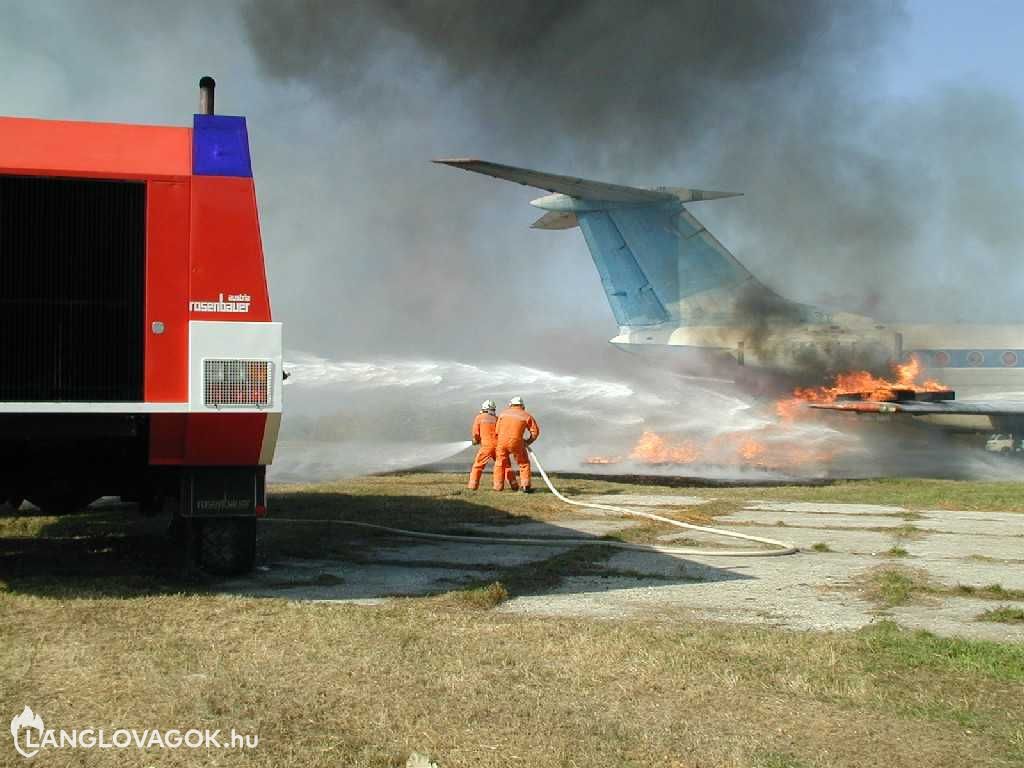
{"type": "Point", "coordinates": [764, 448]}
{"type": "Point", "coordinates": [776, 447]}
{"type": "Point", "coordinates": [869, 386]}
{"type": "Point", "coordinates": [652, 448]}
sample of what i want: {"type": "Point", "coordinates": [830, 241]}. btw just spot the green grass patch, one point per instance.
{"type": "Point", "coordinates": [890, 646]}
{"type": "Point", "coordinates": [988, 592]}
{"type": "Point", "coordinates": [1005, 614]}
{"type": "Point", "coordinates": [821, 546]}
{"type": "Point", "coordinates": [896, 552]}
{"type": "Point", "coordinates": [912, 493]}
{"type": "Point", "coordinates": [890, 587]}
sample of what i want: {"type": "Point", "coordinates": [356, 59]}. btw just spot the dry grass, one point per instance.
{"type": "Point", "coordinates": [454, 676]}
{"type": "Point", "coordinates": [329, 685]}
{"type": "Point", "coordinates": [483, 597]}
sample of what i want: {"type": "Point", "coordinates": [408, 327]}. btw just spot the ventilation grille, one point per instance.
{"type": "Point", "coordinates": [72, 271]}
{"type": "Point", "coordinates": [237, 383]}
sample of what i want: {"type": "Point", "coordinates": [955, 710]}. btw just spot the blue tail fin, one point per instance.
{"type": "Point", "coordinates": [658, 263]}
{"type": "Point", "coordinates": [632, 298]}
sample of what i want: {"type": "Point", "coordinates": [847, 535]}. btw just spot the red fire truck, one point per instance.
{"type": "Point", "coordinates": [138, 357]}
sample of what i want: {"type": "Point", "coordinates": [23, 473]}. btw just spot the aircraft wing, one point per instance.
{"type": "Point", "coordinates": [582, 188]}
{"type": "Point", "coordinates": [939, 407]}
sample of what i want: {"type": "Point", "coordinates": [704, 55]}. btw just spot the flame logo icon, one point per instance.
{"type": "Point", "coordinates": [27, 719]}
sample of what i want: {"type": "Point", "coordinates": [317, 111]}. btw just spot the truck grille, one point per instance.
{"type": "Point", "coordinates": [237, 383]}
{"type": "Point", "coordinates": [72, 272]}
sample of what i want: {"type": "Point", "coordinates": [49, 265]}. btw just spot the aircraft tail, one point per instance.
{"type": "Point", "coordinates": [658, 264]}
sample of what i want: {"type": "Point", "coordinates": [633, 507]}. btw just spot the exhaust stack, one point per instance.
{"type": "Point", "coordinates": [206, 87]}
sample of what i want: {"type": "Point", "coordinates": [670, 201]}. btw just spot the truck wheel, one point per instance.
{"type": "Point", "coordinates": [227, 546]}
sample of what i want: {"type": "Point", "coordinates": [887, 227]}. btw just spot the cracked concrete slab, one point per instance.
{"type": "Point", "coordinates": [648, 500]}
{"type": "Point", "coordinates": [973, 523]}
{"type": "Point", "coordinates": [806, 520]}
{"type": "Point", "coordinates": [767, 592]}
{"type": "Point", "coordinates": [958, 616]}
{"type": "Point", "coordinates": [811, 590]}
{"type": "Point", "coordinates": [490, 556]}
{"type": "Point", "coordinates": [334, 580]}
{"type": "Point", "coordinates": [853, 541]}
{"type": "Point", "coordinates": [1006, 550]}
{"type": "Point", "coordinates": [823, 508]}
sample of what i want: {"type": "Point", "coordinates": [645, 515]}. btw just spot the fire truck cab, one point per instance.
{"type": "Point", "coordinates": [138, 357]}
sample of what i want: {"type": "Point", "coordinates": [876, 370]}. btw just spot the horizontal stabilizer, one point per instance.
{"type": "Point", "coordinates": [567, 185]}
{"type": "Point", "coordinates": [556, 220]}
{"type": "Point", "coordinates": [685, 195]}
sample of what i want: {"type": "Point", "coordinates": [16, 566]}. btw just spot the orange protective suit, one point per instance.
{"type": "Point", "coordinates": [512, 423]}
{"type": "Point", "coordinates": [484, 434]}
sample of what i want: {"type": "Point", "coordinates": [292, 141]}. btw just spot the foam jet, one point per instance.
{"type": "Point", "coordinates": [675, 289]}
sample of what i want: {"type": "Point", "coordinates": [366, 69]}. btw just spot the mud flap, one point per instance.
{"type": "Point", "coordinates": [224, 492]}
{"type": "Point", "coordinates": [221, 505]}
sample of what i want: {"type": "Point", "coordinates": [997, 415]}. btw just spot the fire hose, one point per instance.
{"type": "Point", "coordinates": [778, 547]}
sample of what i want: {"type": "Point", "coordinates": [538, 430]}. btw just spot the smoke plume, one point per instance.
{"type": "Point", "coordinates": [865, 204]}
{"type": "Point", "coordinates": [903, 206]}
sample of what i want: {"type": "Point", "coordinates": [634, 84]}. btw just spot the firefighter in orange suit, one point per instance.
{"type": "Point", "coordinates": [513, 422]}
{"type": "Point", "coordinates": [484, 435]}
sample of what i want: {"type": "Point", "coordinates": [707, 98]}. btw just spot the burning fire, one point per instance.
{"type": "Point", "coordinates": [862, 383]}
{"type": "Point", "coordinates": [777, 446]}
{"type": "Point", "coordinates": [764, 448]}
{"type": "Point", "coordinates": [602, 460]}
{"type": "Point", "coordinates": [652, 448]}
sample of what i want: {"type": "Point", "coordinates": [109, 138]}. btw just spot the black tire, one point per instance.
{"type": "Point", "coordinates": [227, 546]}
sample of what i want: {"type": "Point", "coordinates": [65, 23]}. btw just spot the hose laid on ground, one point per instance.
{"type": "Point", "coordinates": [781, 547]}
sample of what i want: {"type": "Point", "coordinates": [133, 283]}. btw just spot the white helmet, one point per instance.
{"type": "Point", "coordinates": [517, 400]}
{"type": "Point", "coordinates": [488, 405]}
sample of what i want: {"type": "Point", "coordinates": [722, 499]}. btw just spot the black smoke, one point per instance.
{"type": "Point", "coordinates": [765, 97]}
{"type": "Point", "coordinates": [634, 81]}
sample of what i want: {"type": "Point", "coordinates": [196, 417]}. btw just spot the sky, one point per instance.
{"type": "Point", "coordinates": [960, 43]}
{"type": "Point", "coordinates": [877, 145]}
